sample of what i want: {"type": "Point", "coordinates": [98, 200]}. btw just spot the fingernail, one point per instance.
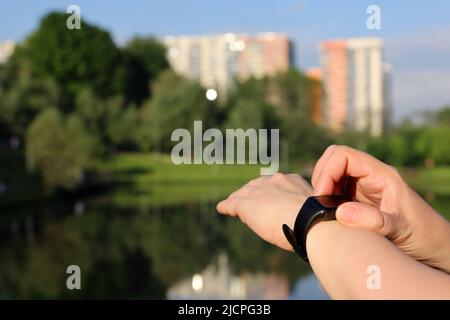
{"type": "Point", "coordinates": [347, 213]}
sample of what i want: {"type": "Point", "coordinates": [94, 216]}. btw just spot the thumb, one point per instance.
{"type": "Point", "coordinates": [364, 216]}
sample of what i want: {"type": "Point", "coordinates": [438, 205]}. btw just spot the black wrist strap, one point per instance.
{"type": "Point", "coordinates": [319, 208]}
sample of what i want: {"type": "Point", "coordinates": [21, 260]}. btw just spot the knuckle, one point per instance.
{"type": "Point", "coordinates": [279, 177]}
{"type": "Point", "coordinates": [374, 219]}
{"type": "Point", "coordinates": [378, 223]}
{"type": "Point", "coordinates": [402, 232]}
{"type": "Point", "coordinates": [384, 225]}
{"type": "Point", "coordinates": [293, 176]}
{"type": "Point", "coordinates": [330, 148]}
{"type": "Point", "coordinates": [249, 190]}
{"type": "Point", "coordinates": [340, 149]}
{"type": "Point", "coordinates": [393, 172]}
{"type": "Point", "coordinates": [234, 194]}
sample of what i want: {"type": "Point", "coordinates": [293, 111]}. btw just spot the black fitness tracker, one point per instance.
{"type": "Point", "coordinates": [318, 208]}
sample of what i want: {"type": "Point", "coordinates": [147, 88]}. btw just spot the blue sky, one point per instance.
{"type": "Point", "coordinates": [416, 33]}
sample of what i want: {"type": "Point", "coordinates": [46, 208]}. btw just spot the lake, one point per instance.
{"type": "Point", "coordinates": [138, 243]}
{"type": "Point", "coordinates": [137, 251]}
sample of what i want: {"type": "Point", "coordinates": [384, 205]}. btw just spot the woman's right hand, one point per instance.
{"type": "Point", "coordinates": [384, 204]}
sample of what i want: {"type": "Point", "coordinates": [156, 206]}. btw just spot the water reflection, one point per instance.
{"type": "Point", "coordinates": [142, 250]}
{"type": "Point", "coordinates": [308, 288]}
{"type": "Point", "coordinates": [217, 281]}
{"type": "Point", "coordinates": [133, 251]}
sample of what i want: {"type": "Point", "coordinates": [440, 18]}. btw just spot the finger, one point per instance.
{"type": "Point", "coordinates": [364, 216]}
{"type": "Point", "coordinates": [344, 161]}
{"type": "Point", "coordinates": [320, 163]}
{"type": "Point", "coordinates": [220, 207]}
{"type": "Point", "coordinates": [230, 206]}
{"type": "Point", "coordinates": [324, 183]}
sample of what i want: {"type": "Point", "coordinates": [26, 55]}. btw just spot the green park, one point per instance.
{"type": "Point", "coordinates": [86, 173]}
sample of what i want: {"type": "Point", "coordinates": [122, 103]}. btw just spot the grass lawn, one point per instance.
{"type": "Point", "coordinates": [152, 179]}
{"type": "Point", "coordinates": [158, 168]}
{"type": "Point", "coordinates": [148, 179]}
{"type": "Point", "coordinates": [148, 168]}
{"type": "Point", "coordinates": [145, 178]}
{"type": "Point", "coordinates": [436, 180]}
{"type": "Point", "coordinates": [433, 184]}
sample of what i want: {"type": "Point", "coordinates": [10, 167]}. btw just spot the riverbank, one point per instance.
{"type": "Point", "coordinates": [170, 183]}
{"type": "Point", "coordinates": [158, 181]}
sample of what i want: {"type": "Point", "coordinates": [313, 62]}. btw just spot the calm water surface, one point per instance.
{"type": "Point", "coordinates": [137, 249]}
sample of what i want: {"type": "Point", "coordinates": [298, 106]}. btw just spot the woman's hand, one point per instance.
{"type": "Point", "coordinates": [339, 255]}
{"type": "Point", "coordinates": [386, 204]}
{"type": "Point", "coordinates": [266, 203]}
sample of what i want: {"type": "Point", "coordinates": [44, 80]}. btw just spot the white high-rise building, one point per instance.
{"type": "Point", "coordinates": [6, 50]}
{"type": "Point", "coordinates": [357, 84]}
{"type": "Point", "coordinates": [218, 60]}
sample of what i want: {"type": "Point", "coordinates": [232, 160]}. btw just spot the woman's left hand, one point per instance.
{"type": "Point", "coordinates": [266, 203]}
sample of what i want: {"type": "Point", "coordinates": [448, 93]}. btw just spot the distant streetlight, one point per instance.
{"type": "Point", "coordinates": [197, 282]}
{"type": "Point", "coordinates": [238, 45]}
{"type": "Point", "coordinates": [174, 52]}
{"type": "Point", "coordinates": [211, 94]}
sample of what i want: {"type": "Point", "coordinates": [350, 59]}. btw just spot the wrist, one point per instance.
{"type": "Point", "coordinates": [288, 216]}
{"type": "Point", "coordinates": [442, 244]}
{"type": "Point", "coordinates": [314, 210]}
{"type": "Point", "coordinates": [431, 230]}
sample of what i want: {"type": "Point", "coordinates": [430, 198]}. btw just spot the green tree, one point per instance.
{"type": "Point", "coordinates": [76, 58]}
{"type": "Point", "coordinates": [22, 97]}
{"type": "Point", "coordinates": [149, 56]}
{"type": "Point", "coordinates": [279, 102]}
{"type": "Point", "coordinates": [150, 52]}
{"type": "Point", "coordinates": [397, 150]}
{"type": "Point", "coordinates": [59, 148]}
{"type": "Point", "coordinates": [249, 113]}
{"type": "Point", "coordinates": [249, 107]}
{"type": "Point", "coordinates": [443, 116]}
{"type": "Point", "coordinates": [110, 120]}
{"type": "Point", "coordinates": [433, 144]}
{"type": "Point", "coordinates": [411, 135]}
{"type": "Point", "coordinates": [121, 121]}
{"type": "Point", "coordinates": [438, 117]}
{"type": "Point", "coordinates": [176, 102]}
{"type": "Point", "coordinates": [305, 140]}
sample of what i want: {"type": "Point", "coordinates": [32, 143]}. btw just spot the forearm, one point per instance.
{"type": "Point", "coordinates": [341, 257]}
{"type": "Point", "coordinates": [437, 231]}
{"type": "Point", "coordinates": [432, 229]}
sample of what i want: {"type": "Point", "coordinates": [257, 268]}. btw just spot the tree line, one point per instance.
{"type": "Point", "coordinates": [75, 97]}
